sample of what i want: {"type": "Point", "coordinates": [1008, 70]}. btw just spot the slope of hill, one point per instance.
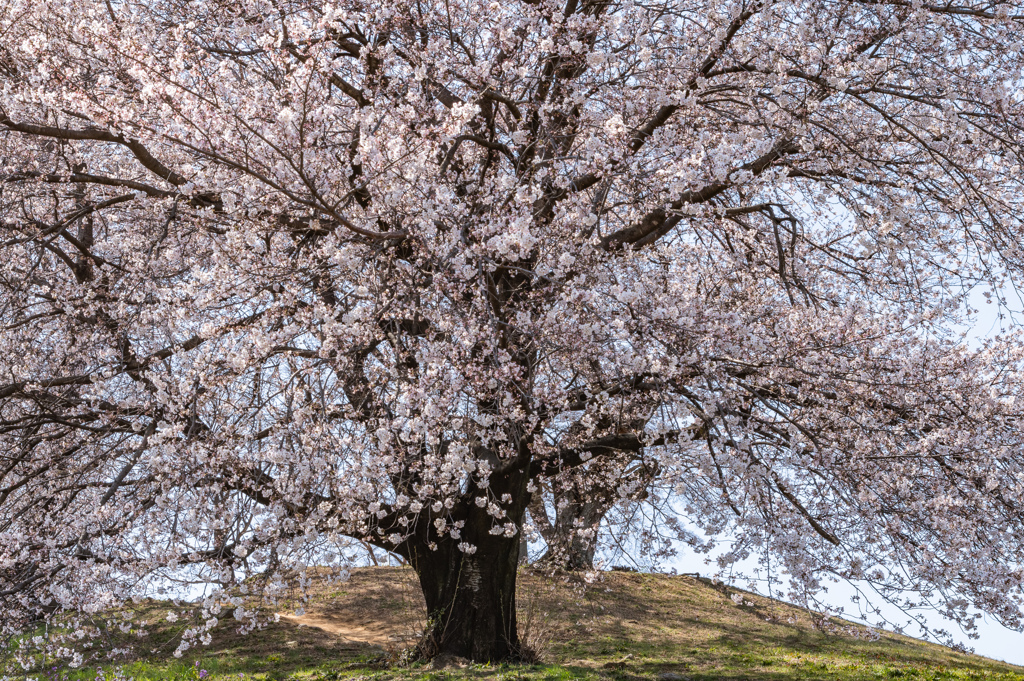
{"type": "Point", "coordinates": [622, 627]}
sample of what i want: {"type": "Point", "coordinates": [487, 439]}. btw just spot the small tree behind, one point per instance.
{"type": "Point", "coordinates": [568, 510]}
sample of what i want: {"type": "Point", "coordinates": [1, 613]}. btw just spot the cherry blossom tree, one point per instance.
{"type": "Point", "coordinates": [278, 273]}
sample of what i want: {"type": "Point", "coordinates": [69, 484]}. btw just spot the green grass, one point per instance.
{"type": "Point", "coordinates": [625, 628]}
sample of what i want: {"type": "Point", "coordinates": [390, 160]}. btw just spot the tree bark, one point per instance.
{"type": "Point", "coordinates": [471, 599]}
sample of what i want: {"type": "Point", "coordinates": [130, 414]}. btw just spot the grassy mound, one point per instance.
{"type": "Point", "coordinates": [622, 627]}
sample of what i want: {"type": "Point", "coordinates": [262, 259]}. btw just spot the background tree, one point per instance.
{"type": "Point", "coordinates": [568, 510]}
{"type": "Point", "coordinates": [279, 272]}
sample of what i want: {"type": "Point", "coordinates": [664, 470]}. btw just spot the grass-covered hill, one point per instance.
{"type": "Point", "coordinates": [622, 627]}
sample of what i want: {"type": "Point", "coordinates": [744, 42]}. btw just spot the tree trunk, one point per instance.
{"type": "Point", "coordinates": [572, 535]}
{"type": "Point", "coordinates": [524, 543]}
{"type": "Point", "coordinates": [578, 552]}
{"type": "Point", "coordinates": [471, 599]}
{"type": "Point", "coordinates": [572, 538]}
{"type": "Point", "coordinates": [580, 504]}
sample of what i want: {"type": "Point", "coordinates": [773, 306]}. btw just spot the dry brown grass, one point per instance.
{"type": "Point", "coordinates": [620, 627]}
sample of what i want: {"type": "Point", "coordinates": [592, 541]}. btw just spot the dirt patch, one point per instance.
{"type": "Point", "coordinates": [381, 607]}
{"type": "Point", "coordinates": [373, 634]}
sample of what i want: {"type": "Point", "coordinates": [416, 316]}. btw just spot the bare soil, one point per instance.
{"type": "Point", "coordinates": [376, 606]}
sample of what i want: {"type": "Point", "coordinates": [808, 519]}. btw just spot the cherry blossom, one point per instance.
{"type": "Point", "coordinates": [278, 275]}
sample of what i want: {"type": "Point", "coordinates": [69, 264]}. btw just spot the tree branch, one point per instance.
{"type": "Point", "coordinates": [96, 134]}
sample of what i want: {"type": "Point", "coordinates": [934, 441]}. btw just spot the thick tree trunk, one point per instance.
{"type": "Point", "coordinates": [471, 599]}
